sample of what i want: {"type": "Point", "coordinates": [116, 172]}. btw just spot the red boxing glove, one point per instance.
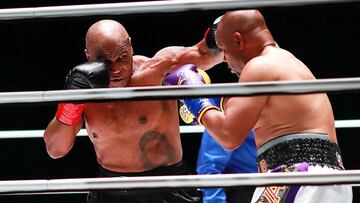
{"type": "Point", "coordinates": [69, 113]}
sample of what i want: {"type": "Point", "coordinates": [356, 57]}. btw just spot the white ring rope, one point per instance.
{"type": "Point", "coordinates": [147, 7]}
{"type": "Point", "coordinates": [178, 92]}
{"type": "Point", "coordinates": [186, 129]}
{"type": "Point", "coordinates": [182, 181]}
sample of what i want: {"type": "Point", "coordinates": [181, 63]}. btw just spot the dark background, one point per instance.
{"type": "Point", "coordinates": [36, 54]}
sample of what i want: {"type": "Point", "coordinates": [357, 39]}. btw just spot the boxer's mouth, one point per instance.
{"type": "Point", "coordinates": [117, 79]}
{"type": "Point", "coordinates": [118, 82]}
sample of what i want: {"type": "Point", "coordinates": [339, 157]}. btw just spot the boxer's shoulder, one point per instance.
{"type": "Point", "coordinates": [138, 61]}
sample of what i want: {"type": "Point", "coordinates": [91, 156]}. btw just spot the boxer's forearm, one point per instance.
{"type": "Point", "coordinates": [226, 133]}
{"type": "Point", "coordinates": [59, 138]}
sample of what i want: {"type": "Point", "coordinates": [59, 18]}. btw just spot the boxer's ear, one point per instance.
{"type": "Point", "coordinates": [87, 54]}
{"type": "Point", "coordinates": [239, 40]}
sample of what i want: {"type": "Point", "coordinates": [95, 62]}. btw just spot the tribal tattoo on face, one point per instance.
{"type": "Point", "coordinates": [156, 150]}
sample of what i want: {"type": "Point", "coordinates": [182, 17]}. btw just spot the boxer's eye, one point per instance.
{"type": "Point", "coordinates": [124, 58]}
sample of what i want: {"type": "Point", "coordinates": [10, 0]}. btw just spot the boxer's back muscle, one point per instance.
{"type": "Point", "coordinates": [284, 114]}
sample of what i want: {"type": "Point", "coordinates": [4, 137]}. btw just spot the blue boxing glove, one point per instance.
{"type": "Point", "coordinates": [184, 112]}
{"type": "Point", "coordinates": [189, 75]}
{"type": "Point", "coordinates": [199, 106]}
{"type": "Point", "coordinates": [189, 118]}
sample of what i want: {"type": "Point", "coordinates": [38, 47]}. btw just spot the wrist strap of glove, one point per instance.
{"type": "Point", "coordinates": [203, 111]}
{"type": "Point", "coordinates": [221, 104]}
{"type": "Point", "coordinates": [189, 118]}
{"type": "Point", "coordinates": [199, 106]}
{"type": "Point", "coordinates": [69, 113]}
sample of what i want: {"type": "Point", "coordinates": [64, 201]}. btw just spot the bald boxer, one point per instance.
{"type": "Point", "coordinates": [130, 138]}
{"type": "Point", "coordinates": [292, 132]}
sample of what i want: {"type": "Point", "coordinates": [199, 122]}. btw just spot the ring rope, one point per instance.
{"type": "Point", "coordinates": [13, 134]}
{"type": "Point", "coordinates": [182, 181]}
{"type": "Point", "coordinates": [147, 7]}
{"type": "Point", "coordinates": [179, 92]}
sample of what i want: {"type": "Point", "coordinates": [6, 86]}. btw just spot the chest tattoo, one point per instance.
{"type": "Point", "coordinates": [156, 150]}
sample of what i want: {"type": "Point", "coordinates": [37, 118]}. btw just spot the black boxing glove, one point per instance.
{"type": "Point", "coordinates": [88, 75]}
{"type": "Point", "coordinates": [210, 36]}
{"type": "Point", "coordinates": [84, 76]}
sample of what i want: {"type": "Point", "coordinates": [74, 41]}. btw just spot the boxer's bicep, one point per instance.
{"type": "Point", "coordinates": [201, 56]}
{"type": "Point", "coordinates": [231, 127]}
{"type": "Point", "coordinates": [243, 112]}
{"type": "Point", "coordinates": [164, 61]}
{"type": "Point", "coordinates": [170, 58]}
